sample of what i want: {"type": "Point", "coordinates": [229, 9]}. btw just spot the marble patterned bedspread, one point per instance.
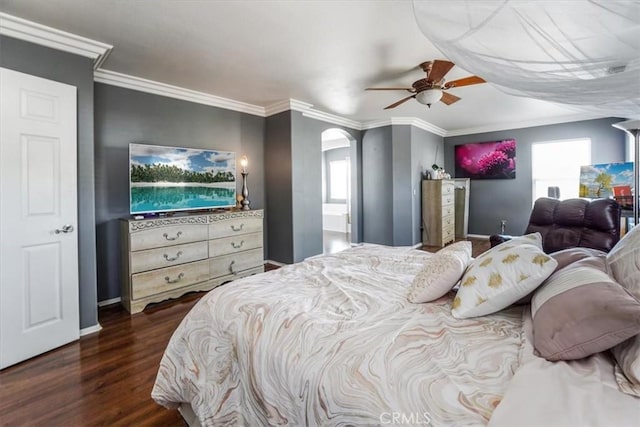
{"type": "Point", "coordinates": [333, 341]}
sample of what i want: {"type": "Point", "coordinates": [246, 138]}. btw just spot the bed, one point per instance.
{"type": "Point", "coordinates": [334, 341]}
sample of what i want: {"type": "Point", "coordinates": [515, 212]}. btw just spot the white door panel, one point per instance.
{"type": "Point", "coordinates": [38, 181]}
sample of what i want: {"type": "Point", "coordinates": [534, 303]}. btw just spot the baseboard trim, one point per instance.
{"type": "Point", "coordinates": [269, 261]}
{"type": "Point", "coordinates": [479, 236]}
{"type": "Point", "coordinates": [90, 330]}
{"type": "Point", "coordinates": [417, 246]}
{"type": "Point", "coordinates": [109, 302]}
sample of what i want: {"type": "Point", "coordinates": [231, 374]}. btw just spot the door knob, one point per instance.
{"type": "Point", "coordinates": [65, 229]}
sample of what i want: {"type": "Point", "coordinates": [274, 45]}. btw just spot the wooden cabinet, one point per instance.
{"type": "Point", "coordinates": [168, 257]}
{"type": "Point", "coordinates": [438, 212]}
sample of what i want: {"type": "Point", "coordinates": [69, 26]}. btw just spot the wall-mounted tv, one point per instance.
{"type": "Point", "coordinates": [486, 160]}
{"type": "Point", "coordinates": [166, 179]}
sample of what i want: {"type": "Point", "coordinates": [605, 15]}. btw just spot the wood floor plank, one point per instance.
{"type": "Point", "coordinates": [104, 379]}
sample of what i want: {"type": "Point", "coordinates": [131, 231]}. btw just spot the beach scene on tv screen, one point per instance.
{"type": "Point", "coordinates": [172, 178]}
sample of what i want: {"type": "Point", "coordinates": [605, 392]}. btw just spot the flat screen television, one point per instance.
{"type": "Point", "coordinates": [486, 160]}
{"type": "Point", "coordinates": [167, 179]}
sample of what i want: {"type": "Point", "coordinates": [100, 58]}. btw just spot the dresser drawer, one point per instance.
{"type": "Point", "coordinates": [447, 210]}
{"type": "Point", "coordinates": [151, 259]}
{"type": "Point", "coordinates": [448, 199]}
{"type": "Point", "coordinates": [234, 226]}
{"type": "Point", "coordinates": [234, 263]}
{"type": "Point", "coordinates": [448, 188]}
{"type": "Point", "coordinates": [448, 234]}
{"type": "Point", "coordinates": [448, 221]}
{"type": "Point", "coordinates": [229, 245]}
{"type": "Point", "coordinates": [165, 236]}
{"type": "Point", "coordinates": [166, 279]}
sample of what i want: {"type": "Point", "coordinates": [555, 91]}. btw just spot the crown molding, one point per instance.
{"type": "Point", "coordinates": [286, 105]}
{"type": "Point", "coordinates": [19, 28]}
{"type": "Point", "coordinates": [307, 110]}
{"type": "Point", "coordinates": [332, 118]}
{"type": "Point", "coordinates": [408, 121]}
{"type": "Point", "coordinates": [143, 85]}
{"type": "Point", "coordinates": [525, 124]}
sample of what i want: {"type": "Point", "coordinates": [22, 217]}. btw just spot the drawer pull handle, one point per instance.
{"type": "Point", "coordinates": [234, 228]}
{"type": "Point", "coordinates": [168, 258]}
{"type": "Point", "coordinates": [178, 234]}
{"type": "Point", "coordinates": [231, 270]}
{"type": "Point", "coordinates": [176, 280]}
{"type": "Point", "coordinates": [237, 246]}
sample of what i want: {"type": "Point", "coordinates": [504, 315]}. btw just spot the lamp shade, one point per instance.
{"type": "Point", "coordinates": [429, 96]}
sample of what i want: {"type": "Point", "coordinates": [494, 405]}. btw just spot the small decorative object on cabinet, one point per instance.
{"type": "Point", "coordinates": [438, 212]}
{"type": "Point", "coordinates": [167, 257]}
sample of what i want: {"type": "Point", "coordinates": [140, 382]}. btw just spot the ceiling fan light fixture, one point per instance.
{"type": "Point", "coordinates": [429, 96]}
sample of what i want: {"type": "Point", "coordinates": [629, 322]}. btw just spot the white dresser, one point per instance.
{"type": "Point", "coordinates": [438, 212]}
{"type": "Point", "coordinates": [167, 257]}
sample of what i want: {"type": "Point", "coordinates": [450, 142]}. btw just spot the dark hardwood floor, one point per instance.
{"type": "Point", "coordinates": [104, 379]}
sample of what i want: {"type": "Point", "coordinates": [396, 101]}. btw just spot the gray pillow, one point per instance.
{"type": "Point", "coordinates": [581, 310]}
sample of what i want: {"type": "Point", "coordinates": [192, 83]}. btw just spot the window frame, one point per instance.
{"type": "Point", "coordinates": [588, 142]}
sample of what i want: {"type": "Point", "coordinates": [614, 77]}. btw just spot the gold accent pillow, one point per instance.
{"type": "Point", "coordinates": [500, 277]}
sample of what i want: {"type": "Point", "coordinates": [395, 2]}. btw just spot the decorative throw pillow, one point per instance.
{"type": "Point", "coordinates": [623, 263]}
{"type": "Point", "coordinates": [580, 311]}
{"type": "Point", "coordinates": [500, 277]}
{"type": "Point", "coordinates": [531, 239]}
{"type": "Point", "coordinates": [440, 272]}
{"type": "Point", "coordinates": [627, 369]}
{"type": "Point", "coordinates": [568, 256]}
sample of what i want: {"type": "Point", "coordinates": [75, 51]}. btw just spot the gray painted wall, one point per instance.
{"type": "Point", "coordinates": [306, 157]}
{"type": "Point", "coordinates": [394, 158]}
{"type": "Point", "coordinates": [510, 199]}
{"type": "Point", "coordinates": [294, 185]}
{"type": "Point", "coordinates": [377, 186]}
{"type": "Point", "coordinates": [278, 187]}
{"type": "Point", "coordinates": [123, 116]}
{"type": "Point", "coordinates": [402, 198]}
{"type": "Point", "coordinates": [75, 70]}
{"type": "Point", "coordinates": [426, 149]}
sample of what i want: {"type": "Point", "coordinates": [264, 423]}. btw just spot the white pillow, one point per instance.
{"type": "Point", "coordinates": [623, 263]}
{"type": "Point", "coordinates": [500, 277]}
{"type": "Point", "coordinates": [532, 239]}
{"type": "Point", "coordinates": [440, 273]}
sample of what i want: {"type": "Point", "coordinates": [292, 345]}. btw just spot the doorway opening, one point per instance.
{"type": "Point", "coordinates": [336, 190]}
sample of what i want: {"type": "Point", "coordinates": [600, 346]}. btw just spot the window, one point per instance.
{"type": "Point", "coordinates": [557, 164]}
{"type": "Point", "coordinates": [338, 175]}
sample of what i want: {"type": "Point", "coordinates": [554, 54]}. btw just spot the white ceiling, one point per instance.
{"type": "Point", "coordinates": [260, 52]}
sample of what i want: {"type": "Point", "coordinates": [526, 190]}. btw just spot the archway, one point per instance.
{"type": "Point", "coordinates": [337, 189]}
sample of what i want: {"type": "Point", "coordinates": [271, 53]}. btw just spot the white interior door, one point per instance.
{"type": "Point", "coordinates": [38, 216]}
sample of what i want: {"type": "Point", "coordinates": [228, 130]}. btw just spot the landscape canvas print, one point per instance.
{"type": "Point", "coordinates": [171, 178]}
{"type": "Point", "coordinates": [607, 180]}
{"type": "Point", "coordinates": [486, 160]}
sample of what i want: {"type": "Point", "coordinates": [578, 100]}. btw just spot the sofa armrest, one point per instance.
{"type": "Point", "coordinates": [496, 239]}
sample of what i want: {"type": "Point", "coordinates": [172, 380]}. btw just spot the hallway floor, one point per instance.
{"type": "Point", "coordinates": [334, 241]}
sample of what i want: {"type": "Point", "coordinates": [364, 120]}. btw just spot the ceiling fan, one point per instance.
{"type": "Point", "coordinates": [432, 88]}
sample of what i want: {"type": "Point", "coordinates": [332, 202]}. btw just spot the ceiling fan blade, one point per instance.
{"type": "Point", "coordinates": [390, 88]}
{"type": "Point", "coordinates": [395, 104]}
{"type": "Point", "coordinates": [449, 99]}
{"type": "Point", "coordinates": [467, 81]}
{"type": "Point", "coordinates": [438, 70]}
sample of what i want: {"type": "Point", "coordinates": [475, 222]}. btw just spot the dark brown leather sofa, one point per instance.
{"type": "Point", "coordinates": [572, 223]}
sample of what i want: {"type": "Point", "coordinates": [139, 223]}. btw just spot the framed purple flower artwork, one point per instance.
{"type": "Point", "coordinates": [486, 160]}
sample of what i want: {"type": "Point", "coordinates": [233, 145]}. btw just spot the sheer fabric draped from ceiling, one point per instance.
{"type": "Point", "coordinates": [582, 53]}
